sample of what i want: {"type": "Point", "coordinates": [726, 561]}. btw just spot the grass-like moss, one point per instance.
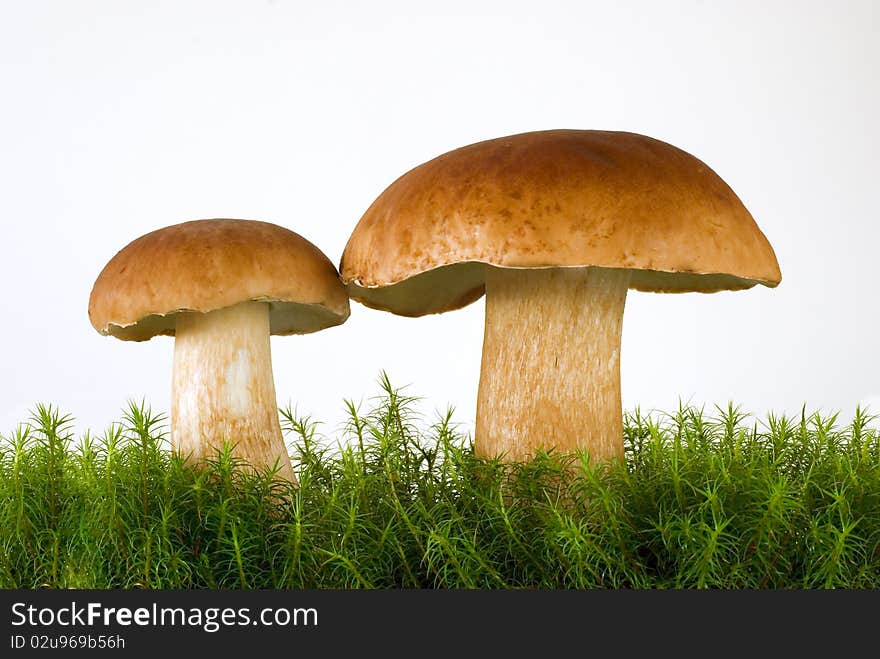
{"type": "Point", "coordinates": [703, 500]}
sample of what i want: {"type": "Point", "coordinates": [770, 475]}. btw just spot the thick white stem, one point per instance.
{"type": "Point", "coordinates": [223, 388]}
{"type": "Point", "coordinates": [550, 375]}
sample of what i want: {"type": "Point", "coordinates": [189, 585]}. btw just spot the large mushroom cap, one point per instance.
{"type": "Point", "coordinates": [204, 265]}
{"type": "Point", "coordinates": [548, 199]}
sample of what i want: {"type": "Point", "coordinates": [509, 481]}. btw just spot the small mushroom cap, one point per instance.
{"type": "Point", "coordinates": [556, 198]}
{"type": "Point", "coordinates": [204, 265]}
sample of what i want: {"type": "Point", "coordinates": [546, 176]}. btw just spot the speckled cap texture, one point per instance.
{"type": "Point", "coordinates": [204, 265]}
{"type": "Point", "coordinates": [556, 198]}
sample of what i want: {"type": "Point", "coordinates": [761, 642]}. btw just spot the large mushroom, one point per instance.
{"type": "Point", "coordinates": [554, 226]}
{"type": "Point", "coordinates": [220, 287]}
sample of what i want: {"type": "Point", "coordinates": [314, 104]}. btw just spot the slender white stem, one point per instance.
{"type": "Point", "coordinates": [223, 388]}
{"type": "Point", "coordinates": [550, 375]}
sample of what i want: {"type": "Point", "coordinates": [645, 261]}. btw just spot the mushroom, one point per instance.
{"type": "Point", "coordinates": [554, 226]}
{"type": "Point", "coordinates": [220, 287]}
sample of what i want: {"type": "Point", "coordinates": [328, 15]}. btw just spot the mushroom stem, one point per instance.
{"type": "Point", "coordinates": [223, 389]}
{"type": "Point", "coordinates": [550, 375]}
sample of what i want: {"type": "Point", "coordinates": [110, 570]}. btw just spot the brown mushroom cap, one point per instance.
{"type": "Point", "coordinates": [557, 198]}
{"type": "Point", "coordinates": [204, 265]}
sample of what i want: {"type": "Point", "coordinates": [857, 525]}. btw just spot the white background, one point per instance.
{"type": "Point", "coordinates": [117, 118]}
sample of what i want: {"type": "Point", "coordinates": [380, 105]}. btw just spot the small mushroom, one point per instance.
{"type": "Point", "coordinates": [554, 226]}
{"type": "Point", "coordinates": [220, 287]}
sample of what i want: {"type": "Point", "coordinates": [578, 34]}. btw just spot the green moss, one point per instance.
{"type": "Point", "coordinates": [718, 500]}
